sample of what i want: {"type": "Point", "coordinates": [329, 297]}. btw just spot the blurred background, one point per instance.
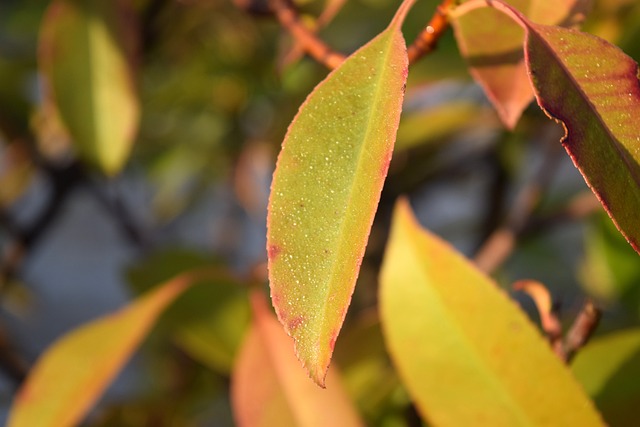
{"type": "Point", "coordinates": [217, 86]}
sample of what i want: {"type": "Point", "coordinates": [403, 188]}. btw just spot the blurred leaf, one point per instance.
{"type": "Point", "coordinates": [209, 321]}
{"type": "Point", "coordinates": [431, 125]}
{"type": "Point", "coordinates": [16, 172]}
{"type": "Point", "coordinates": [611, 269]}
{"type": "Point", "coordinates": [366, 370]}
{"type": "Point", "coordinates": [492, 45]}
{"type": "Point", "coordinates": [269, 388]}
{"type": "Point", "coordinates": [73, 373]}
{"type": "Point", "coordinates": [86, 55]}
{"type": "Point", "coordinates": [466, 353]}
{"type": "Point", "coordinates": [608, 368]}
{"type": "Point", "coordinates": [541, 297]}
{"type": "Point", "coordinates": [325, 192]}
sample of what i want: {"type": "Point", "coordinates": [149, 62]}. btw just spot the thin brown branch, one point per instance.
{"type": "Point", "coordinates": [316, 47]}
{"type": "Point", "coordinates": [426, 41]}
{"type": "Point", "coordinates": [581, 330]}
{"type": "Point", "coordinates": [580, 206]}
{"type": "Point", "coordinates": [297, 50]}
{"type": "Point", "coordinates": [499, 245]}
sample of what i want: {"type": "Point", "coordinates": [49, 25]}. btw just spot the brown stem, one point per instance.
{"type": "Point", "coordinates": [318, 49]}
{"type": "Point", "coordinates": [499, 245]}
{"type": "Point", "coordinates": [581, 330]}
{"type": "Point", "coordinates": [426, 41]}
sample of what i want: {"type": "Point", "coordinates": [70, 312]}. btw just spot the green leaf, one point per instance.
{"type": "Point", "coordinates": [467, 354]}
{"type": "Point", "coordinates": [608, 368]}
{"type": "Point", "coordinates": [610, 270]}
{"type": "Point", "coordinates": [269, 388]}
{"type": "Point", "coordinates": [434, 125]}
{"type": "Point", "coordinates": [366, 370]}
{"type": "Point", "coordinates": [72, 374]}
{"type": "Point", "coordinates": [491, 43]}
{"type": "Point", "coordinates": [86, 56]}
{"type": "Point", "coordinates": [326, 189]}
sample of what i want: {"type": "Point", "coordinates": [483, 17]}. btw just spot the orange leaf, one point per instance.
{"type": "Point", "coordinates": [270, 388]}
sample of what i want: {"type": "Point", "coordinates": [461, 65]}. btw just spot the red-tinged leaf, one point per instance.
{"type": "Point", "coordinates": [591, 87]}
{"type": "Point", "coordinates": [72, 374]}
{"type": "Point", "coordinates": [492, 45]}
{"type": "Point", "coordinates": [466, 353]}
{"type": "Point", "coordinates": [326, 188]}
{"type": "Point", "coordinates": [86, 56]}
{"type": "Point", "coordinates": [270, 388]}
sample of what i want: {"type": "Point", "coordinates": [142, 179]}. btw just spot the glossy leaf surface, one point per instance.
{"type": "Point", "coordinates": [492, 45]}
{"type": "Point", "coordinates": [325, 192]}
{"type": "Point", "coordinates": [270, 388]}
{"type": "Point", "coordinates": [609, 368]}
{"type": "Point", "coordinates": [68, 379]}
{"type": "Point", "coordinates": [467, 354]}
{"type": "Point", "coordinates": [86, 55]}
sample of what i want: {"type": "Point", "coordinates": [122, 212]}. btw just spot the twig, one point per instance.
{"type": "Point", "coordinates": [316, 47]}
{"type": "Point", "coordinates": [297, 50]}
{"type": "Point", "coordinates": [581, 330]}
{"type": "Point", "coordinates": [499, 245]}
{"type": "Point", "coordinates": [426, 41]}
{"type": "Point", "coordinates": [580, 206]}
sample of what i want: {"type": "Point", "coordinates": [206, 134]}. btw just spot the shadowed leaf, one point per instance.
{"type": "Point", "coordinates": [325, 192]}
{"type": "Point", "coordinates": [467, 354]}
{"type": "Point", "coordinates": [269, 388]}
{"type": "Point", "coordinates": [86, 56]}
{"type": "Point", "coordinates": [608, 368]}
{"type": "Point", "coordinates": [492, 45]}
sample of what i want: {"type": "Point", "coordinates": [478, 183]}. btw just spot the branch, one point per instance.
{"type": "Point", "coordinates": [581, 330]}
{"type": "Point", "coordinates": [316, 47]}
{"type": "Point", "coordinates": [426, 41]}
{"type": "Point", "coordinates": [499, 245]}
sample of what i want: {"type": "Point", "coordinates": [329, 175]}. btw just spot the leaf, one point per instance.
{"type": "Point", "coordinates": [366, 370]}
{"type": "Point", "coordinates": [269, 388]}
{"type": "Point", "coordinates": [86, 56]}
{"type": "Point", "coordinates": [443, 120]}
{"type": "Point", "coordinates": [541, 297]}
{"type": "Point", "coordinates": [467, 354]}
{"type": "Point", "coordinates": [498, 65]}
{"type": "Point", "coordinates": [591, 87]}
{"type": "Point", "coordinates": [72, 374]}
{"type": "Point", "coordinates": [325, 192]}
{"type": "Point", "coordinates": [207, 322]}
{"type": "Point", "coordinates": [610, 270]}
{"type": "Point", "coordinates": [608, 368]}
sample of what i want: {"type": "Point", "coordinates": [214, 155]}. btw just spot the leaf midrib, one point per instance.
{"type": "Point", "coordinates": [489, 375]}
{"type": "Point", "coordinates": [390, 33]}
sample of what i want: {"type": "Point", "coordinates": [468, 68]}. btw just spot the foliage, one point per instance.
{"type": "Point", "coordinates": [190, 101]}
